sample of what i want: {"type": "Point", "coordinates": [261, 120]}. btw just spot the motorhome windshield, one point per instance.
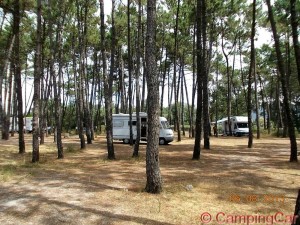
{"type": "Point", "coordinates": [242, 125]}
{"type": "Point", "coordinates": [165, 125]}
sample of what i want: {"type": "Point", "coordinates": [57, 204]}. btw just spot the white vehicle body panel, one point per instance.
{"type": "Point", "coordinates": [121, 128]}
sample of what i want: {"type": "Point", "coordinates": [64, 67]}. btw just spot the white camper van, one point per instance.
{"type": "Point", "coordinates": [27, 124]}
{"type": "Point", "coordinates": [239, 125]}
{"type": "Point", "coordinates": [121, 128]}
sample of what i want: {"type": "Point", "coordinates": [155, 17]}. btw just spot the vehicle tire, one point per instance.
{"type": "Point", "coordinates": [126, 141]}
{"type": "Point", "coordinates": [162, 141]}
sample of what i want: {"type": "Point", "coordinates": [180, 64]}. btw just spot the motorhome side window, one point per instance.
{"type": "Point", "coordinates": [133, 123]}
{"type": "Point", "coordinates": [118, 123]}
{"type": "Point", "coordinates": [242, 125]}
{"type": "Point", "coordinates": [165, 124]}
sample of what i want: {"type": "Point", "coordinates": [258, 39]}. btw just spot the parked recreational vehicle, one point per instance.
{"type": "Point", "coordinates": [28, 124]}
{"type": "Point", "coordinates": [121, 128]}
{"type": "Point", "coordinates": [15, 126]}
{"type": "Point", "coordinates": [239, 125]}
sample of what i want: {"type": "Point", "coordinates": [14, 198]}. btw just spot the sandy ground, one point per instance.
{"type": "Point", "coordinates": [231, 184]}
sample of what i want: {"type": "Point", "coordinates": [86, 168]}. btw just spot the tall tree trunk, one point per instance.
{"type": "Point", "coordinates": [278, 105]}
{"type": "Point", "coordinates": [256, 100]}
{"type": "Point", "coordinates": [228, 85]}
{"type": "Point", "coordinates": [217, 100]}
{"type": "Point", "coordinates": [36, 83]}
{"type": "Point", "coordinates": [163, 85]}
{"type": "Point", "coordinates": [205, 68]}
{"type": "Point", "coordinates": [262, 93]}
{"type": "Point", "coordinates": [177, 118]}
{"type": "Point", "coordinates": [107, 90]}
{"type": "Point", "coordinates": [280, 64]}
{"type": "Point", "coordinates": [56, 53]}
{"type": "Point", "coordinates": [4, 122]}
{"type": "Point", "coordinates": [154, 180]}
{"type": "Point", "coordinates": [18, 75]}
{"type": "Point", "coordinates": [295, 24]}
{"type": "Point", "coordinates": [85, 86]}
{"type": "Point", "coordinates": [7, 105]}
{"type": "Point", "coordinates": [187, 100]}
{"type": "Point", "coordinates": [137, 83]}
{"type": "Point", "coordinates": [182, 96]}
{"type": "Point", "coordinates": [197, 145]}
{"type": "Point", "coordinates": [80, 80]}
{"type": "Point", "coordinates": [129, 72]}
{"type": "Point", "coordinates": [57, 95]}
{"type": "Point", "coordinates": [242, 71]}
{"type": "Point", "coordinates": [251, 74]}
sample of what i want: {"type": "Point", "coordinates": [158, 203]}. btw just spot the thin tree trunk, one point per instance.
{"type": "Point", "coordinates": [188, 102]}
{"type": "Point", "coordinates": [256, 101]}
{"type": "Point", "coordinates": [107, 91]}
{"type": "Point", "coordinates": [85, 86]}
{"type": "Point", "coordinates": [18, 80]}
{"type": "Point", "coordinates": [242, 71]}
{"type": "Point", "coordinates": [177, 118]}
{"type": "Point", "coordinates": [129, 72]}
{"type": "Point", "coordinates": [80, 80]}
{"type": "Point", "coordinates": [57, 95]}
{"type": "Point", "coordinates": [3, 69]}
{"type": "Point", "coordinates": [197, 145]}
{"type": "Point", "coordinates": [154, 180]}
{"type": "Point", "coordinates": [228, 86]}
{"type": "Point", "coordinates": [279, 111]}
{"type": "Point", "coordinates": [295, 31]}
{"type": "Point", "coordinates": [137, 83]}
{"type": "Point", "coordinates": [217, 99]}
{"type": "Point", "coordinates": [194, 85]}
{"type": "Point", "coordinates": [280, 63]}
{"type": "Point", "coordinates": [182, 98]}
{"type": "Point", "coordinates": [205, 68]}
{"type": "Point", "coordinates": [7, 107]}
{"type": "Point", "coordinates": [36, 95]}
{"type": "Point", "coordinates": [262, 93]}
{"type": "Point", "coordinates": [163, 85]}
{"type": "Point", "coordinates": [251, 74]}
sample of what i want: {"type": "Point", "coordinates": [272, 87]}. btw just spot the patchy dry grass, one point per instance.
{"type": "Point", "coordinates": [86, 188]}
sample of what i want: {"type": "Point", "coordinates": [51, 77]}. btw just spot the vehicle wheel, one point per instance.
{"type": "Point", "coordinates": [126, 141]}
{"type": "Point", "coordinates": [162, 141]}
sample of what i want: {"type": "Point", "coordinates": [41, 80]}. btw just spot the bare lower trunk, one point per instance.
{"type": "Point", "coordinates": [197, 145]}
{"type": "Point", "coordinates": [36, 95]}
{"type": "Point", "coordinates": [137, 82]}
{"type": "Point", "coordinates": [107, 91]}
{"type": "Point", "coordinates": [154, 180]}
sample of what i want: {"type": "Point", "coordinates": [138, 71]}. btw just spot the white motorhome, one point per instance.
{"type": "Point", "coordinates": [239, 125]}
{"type": "Point", "coordinates": [121, 128]}
{"type": "Point", "coordinates": [27, 124]}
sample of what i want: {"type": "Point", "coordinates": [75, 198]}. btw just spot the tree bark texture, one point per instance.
{"type": "Point", "coordinates": [107, 90]}
{"type": "Point", "coordinates": [154, 180]}
{"type": "Point", "coordinates": [137, 83]}
{"type": "Point", "coordinates": [251, 75]}
{"type": "Point", "coordinates": [295, 25]}
{"type": "Point", "coordinates": [282, 74]}
{"type": "Point", "coordinates": [36, 83]}
{"type": "Point", "coordinates": [204, 70]}
{"type": "Point", "coordinates": [17, 71]}
{"type": "Point", "coordinates": [198, 131]}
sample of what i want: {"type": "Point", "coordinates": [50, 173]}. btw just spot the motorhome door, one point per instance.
{"type": "Point", "coordinates": [144, 127]}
